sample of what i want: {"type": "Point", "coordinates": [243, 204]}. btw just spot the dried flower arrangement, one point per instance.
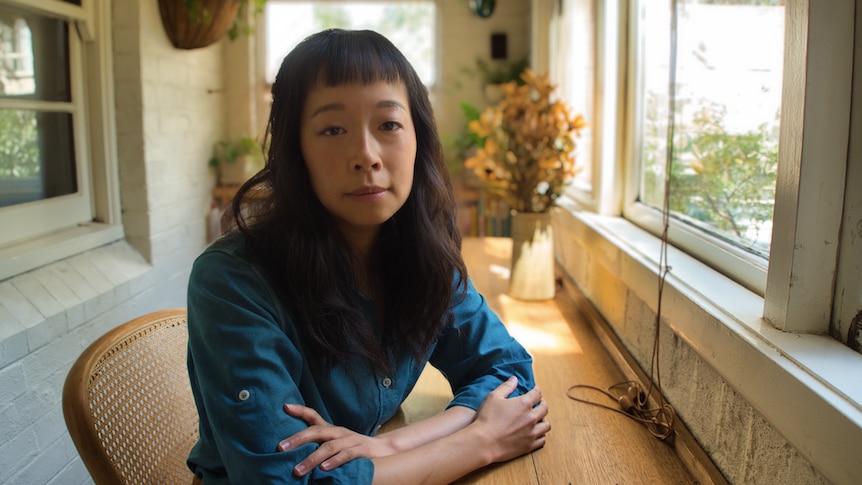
{"type": "Point", "coordinates": [527, 154]}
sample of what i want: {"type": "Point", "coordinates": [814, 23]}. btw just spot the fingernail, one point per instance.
{"type": "Point", "coordinates": [324, 465]}
{"type": "Point", "coordinates": [299, 469]}
{"type": "Point", "coordinates": [283, 445]}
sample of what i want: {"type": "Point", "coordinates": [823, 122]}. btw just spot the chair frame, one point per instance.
{"type": "Point", "coordinates": [77, 407]}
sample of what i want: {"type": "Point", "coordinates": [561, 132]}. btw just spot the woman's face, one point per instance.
{"type": "Point", "coordinates": [359, 145]}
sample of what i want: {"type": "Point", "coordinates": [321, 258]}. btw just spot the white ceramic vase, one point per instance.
{"type": "Point", "coordinates": [532, 270]}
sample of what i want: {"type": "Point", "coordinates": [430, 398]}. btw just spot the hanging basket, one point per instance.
{"type": "Point", "coordinates": [188, 29]}
{"type": "Point", "coordinates": [532, 271]}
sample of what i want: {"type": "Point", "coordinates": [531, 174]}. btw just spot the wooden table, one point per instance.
{"type": "Point", "coordinates": [587, 444]}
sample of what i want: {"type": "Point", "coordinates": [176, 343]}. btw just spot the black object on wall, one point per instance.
{"type": "Point", "coordinates": [499, 47]}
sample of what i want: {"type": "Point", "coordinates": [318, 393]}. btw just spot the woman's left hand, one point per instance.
{"type": "Point", "coordinates": [338, 445]}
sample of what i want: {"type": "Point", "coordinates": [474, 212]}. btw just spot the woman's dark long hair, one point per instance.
{"type": "Point", "coordinates": [417, 259]}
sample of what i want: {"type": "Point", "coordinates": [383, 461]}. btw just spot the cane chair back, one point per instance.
{"type": "Point", "coordinates": [128, 404]}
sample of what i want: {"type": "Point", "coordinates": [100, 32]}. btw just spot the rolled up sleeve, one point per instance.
{"type": "Point", "coordinates": [243, 368]}
{"type": "Point", "coordinates": [477, 353]}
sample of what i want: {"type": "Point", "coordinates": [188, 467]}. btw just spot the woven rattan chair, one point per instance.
{"type": "Point", "coordinates": [128, 404]}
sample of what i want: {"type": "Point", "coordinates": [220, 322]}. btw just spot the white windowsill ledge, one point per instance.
{"type": "Point", "coordinates": [21, 257]}
{"type": "Point", "coordinates": [40, 306]}
{"type": "Point", "coordinates": [806, 386]}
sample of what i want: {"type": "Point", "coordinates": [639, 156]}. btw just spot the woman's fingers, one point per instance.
{"type": "Point", "coordinates": [318, 430]}
{"type": "Point", "coordinates": [338, 445]}
{"type": "Point", "coordinates": [305, 413]}
{"type": "Point", "coordinates": [518, 424]}
{"type": "Point", "coordinates": [506, 388]}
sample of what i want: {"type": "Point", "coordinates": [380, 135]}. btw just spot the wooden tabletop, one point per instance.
{"type": "Point", "coordinates": [587, 444]}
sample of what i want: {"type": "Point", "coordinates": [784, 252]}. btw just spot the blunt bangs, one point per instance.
{"type": "Point", "coordinates": [337, 57]}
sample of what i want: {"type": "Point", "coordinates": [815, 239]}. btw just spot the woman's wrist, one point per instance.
{"type": "Point", "coordinates": [481, 443]}
{"type": "Point", "coordinates": [388, 444]}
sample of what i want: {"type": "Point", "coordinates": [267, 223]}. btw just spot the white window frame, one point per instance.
{"type": "Point", "coordinates": [435, 82]}
{"type": "Point", "coordinates": [773, 343]}
{"type": "Point", "coordinates": [46, 231]}
{"type": "Point", "coordinates": [814, 140]}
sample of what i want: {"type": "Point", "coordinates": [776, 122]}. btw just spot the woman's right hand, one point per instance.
{"type": "Point", "coordinates": [514, 426]}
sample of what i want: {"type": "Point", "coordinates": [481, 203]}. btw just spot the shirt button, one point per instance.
{"type": "Point", "coordinates": [244, 395]}
{"type": "Point", "coordinates": [387, 382]}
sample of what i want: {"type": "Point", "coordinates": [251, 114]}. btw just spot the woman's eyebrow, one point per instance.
{"type": "Point", "coordinates": [328, 107]}
{"type": "Point", "coordinates": [384, 104]}
{"type": "Point", "coordinates": [390, 103]}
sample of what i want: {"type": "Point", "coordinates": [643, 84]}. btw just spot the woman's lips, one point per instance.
{"type": "Point", "coordinates": [369, 193]}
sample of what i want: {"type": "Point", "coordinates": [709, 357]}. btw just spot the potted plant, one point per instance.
{"type": "Point", "coordinates": [496, 74]}
{"type": "Point", "coordinates": [236, 160]}
{"type": "Point", "coordinates": [191, 24]}
{"type": "Point", "coordinates": [526, 156]}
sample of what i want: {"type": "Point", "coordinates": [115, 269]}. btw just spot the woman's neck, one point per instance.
{"type": "Point", "coordinates": [361, 243]}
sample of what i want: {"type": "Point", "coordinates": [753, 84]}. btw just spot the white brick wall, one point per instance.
{"type": "Point", "coordinates": [169, 113]}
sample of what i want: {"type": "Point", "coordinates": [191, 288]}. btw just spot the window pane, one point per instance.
{"type": "Point", "coordinates": [36, 156]}
{"type": "Point", "coordinates": [34, 56]}
{"type": "Point", "coordinates": [409, 25]}
{"type": "Point", "coordinates": [574, 65]}
{"type": "Point", "coordinates": [725, 116]}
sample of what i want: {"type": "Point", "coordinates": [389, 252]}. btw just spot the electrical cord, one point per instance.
{"type": "Point", "coordinates": [633, 404]}
{"type": "Point", "coordinates": [658, 420]}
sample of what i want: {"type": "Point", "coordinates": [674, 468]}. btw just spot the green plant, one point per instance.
{"type": "Point", "coordinates": [499, 73]}
{"type": "Point", "coordinates": [229, 151]}
{"type": "Point", "coordinates": [198, 13]}
{"type": "Point", "coordinates": [723, 179]}
{"type": "Point", "coordinates": [19, 147]}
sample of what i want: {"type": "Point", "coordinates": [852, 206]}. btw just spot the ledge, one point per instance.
{"type": "Point", "coordinates": [40, 306]}
{"type": "Point", "coordinates": [17, 258]}
{"type": "Point", "coordinates": [806, 386]}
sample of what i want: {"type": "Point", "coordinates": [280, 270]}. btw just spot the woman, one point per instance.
{"type": "Point", "coordinates": [311, 321]}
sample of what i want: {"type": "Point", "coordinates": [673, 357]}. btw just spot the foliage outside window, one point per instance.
{"type": "Point", "coordinates": [410, 25]}
{"type": "Point", "coordinates": [725, 115]}
{"type": "Point", "coordinates": [36, 149]}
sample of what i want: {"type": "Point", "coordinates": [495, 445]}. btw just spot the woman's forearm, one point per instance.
{"type": "Point", "coordinates": [427, 430]}
{"type": "Point", "coordinates": [502, 429]}
{"type": "Point", "coordinates": [437, 462]}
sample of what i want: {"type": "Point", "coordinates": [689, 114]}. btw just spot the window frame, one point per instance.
{"type": "Point", "coordinates": [811, 62]}
{"type": "Point", "coordinates": [787, 331]}
{"type": "Point", "coordinates": [95, 145]}
{"type": "Point", "coordinates": [34, 218]}
{"type": "Point", "coordinates": [748, 269]}
{"type": "Point", "coordinates": [262, 49]}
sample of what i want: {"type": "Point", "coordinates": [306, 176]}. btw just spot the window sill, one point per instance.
{"type": "Point", "coordinates": [806, 386]}
{"type": "Point", "coordinates": [40, 306]}
{"type": "Point", "coordinates": [24, 256]}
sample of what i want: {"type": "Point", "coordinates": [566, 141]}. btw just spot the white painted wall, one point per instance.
{"type": "Point", "coordinates": [169, 112]}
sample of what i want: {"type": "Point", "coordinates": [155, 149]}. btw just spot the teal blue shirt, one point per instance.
{"type": "Point", "coordinates": [246, 361]}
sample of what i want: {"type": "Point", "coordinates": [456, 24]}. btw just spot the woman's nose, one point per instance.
{"type": "Point", "coordinates": [365, 164]}
{"type": "Point", "coordinates": [365, 157]}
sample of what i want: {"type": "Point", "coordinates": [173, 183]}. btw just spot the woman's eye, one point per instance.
{"type": "Point", "coordinates": [390, 126]}
{"type": "Point", "coordinates": [332, 130]}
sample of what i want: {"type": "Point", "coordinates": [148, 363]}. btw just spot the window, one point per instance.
{"type": "Point", "coordinates": [717, 97]}
{"type": "Point", "coordinates": [758, 119]}
{"type": "Point", "coordinates": [410, 25]}
{"type": "Point", "coordinates": [798, 322]}
{"type": "Point", "coordinates": [575, 74]}
{"type": "Point", "coordinates": [37, 112]}
{"type": "Point", "coordinates": [53, 130]}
